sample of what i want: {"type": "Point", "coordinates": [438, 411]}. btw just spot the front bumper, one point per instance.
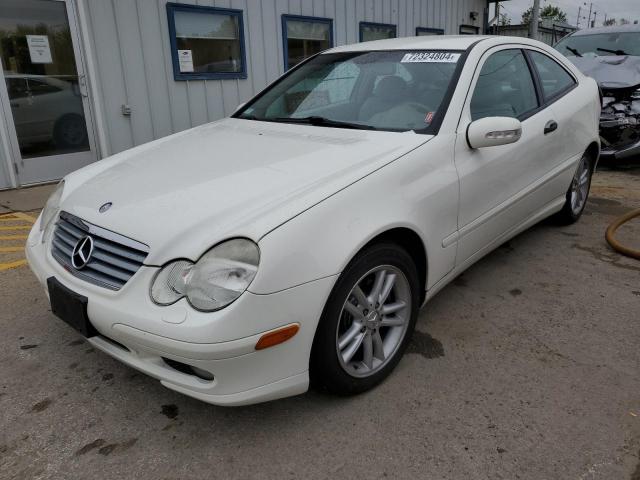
{"type": "Point", "coordinates": [142, 335]}
{"type": "Point", "coordinates": [624, 154]}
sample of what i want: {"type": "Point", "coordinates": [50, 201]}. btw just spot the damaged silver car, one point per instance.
{"type": "Point", "coordinates": [611, 55]}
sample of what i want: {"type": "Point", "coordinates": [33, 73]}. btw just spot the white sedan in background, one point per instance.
{"type": "Point", "coordinates": [295, 241]}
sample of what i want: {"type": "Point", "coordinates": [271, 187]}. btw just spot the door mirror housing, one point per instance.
{"type": "Point", "coordinates": [493, 131]}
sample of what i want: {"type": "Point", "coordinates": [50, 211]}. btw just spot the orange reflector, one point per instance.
{"type": "Point", "coordinates": [277, 336]}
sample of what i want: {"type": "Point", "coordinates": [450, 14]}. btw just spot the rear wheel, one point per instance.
{"type": "Point", "coordinates": [578, 193]}
{"type": "Point", "coordinates": [367, 321]}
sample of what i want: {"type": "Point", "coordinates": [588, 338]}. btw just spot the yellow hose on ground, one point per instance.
{"type": "Point", "coordinates": [624, 250]}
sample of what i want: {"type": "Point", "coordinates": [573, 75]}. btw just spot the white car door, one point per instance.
{"type": "Point", "coordinates": [574, 115]}
{"type": "Point", "coordinates": [501, 187]}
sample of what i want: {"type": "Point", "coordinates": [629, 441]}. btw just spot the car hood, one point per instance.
{"type": "Point", "coordinates": [611, 72]}
{"type": "Point", "coordinates": [182, 194]}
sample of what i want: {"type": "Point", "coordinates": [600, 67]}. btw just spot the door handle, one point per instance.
{"type": "Point", "coordinates": [551, 126]}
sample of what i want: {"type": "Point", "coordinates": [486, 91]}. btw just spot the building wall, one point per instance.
{"type": "Point", "coordinates": [128, 42]}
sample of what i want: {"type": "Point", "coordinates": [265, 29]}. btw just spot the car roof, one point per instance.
{"type": "Point", "coordinates": [599, 30]}
{"type": "Point", "coordinates": [434, 42]}
{"type": "Point", "coordinates": [59, 81]}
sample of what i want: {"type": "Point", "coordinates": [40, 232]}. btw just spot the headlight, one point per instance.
{"type": "Point", "coordinates": [50, 209]}
{"type": "Point", "coordinates": [213, 282]}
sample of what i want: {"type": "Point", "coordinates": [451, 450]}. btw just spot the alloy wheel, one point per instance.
{"type": "Point", "coordinates": [580, 186]}
{"type": "Point", "coordinates": [373, 321]}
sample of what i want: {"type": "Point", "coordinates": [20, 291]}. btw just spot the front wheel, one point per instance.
{"type": "Point", "coordinates": [578, 193]}
{"type": "Point", "coordinates": [367, 321]}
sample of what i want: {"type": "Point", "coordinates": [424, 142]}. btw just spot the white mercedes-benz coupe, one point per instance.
{"type": "Point", "coordinates": [294, 242]}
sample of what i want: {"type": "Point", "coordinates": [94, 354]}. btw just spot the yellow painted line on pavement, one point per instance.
{"type": "Point", "coordinates": [11, 249]}
{"type": "Point", "coordinates": [14, 216]}
{"type": "Point", "coordinates": [24, 216]}
{"type": "Point", "coordinates": [16, 264]}
{"type": "Point", "coordinates": [15, 227]}
{"type": "Point", "coordinates": [14, 237]}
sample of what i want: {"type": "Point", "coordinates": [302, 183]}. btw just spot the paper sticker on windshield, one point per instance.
{"type": "Point", "coordinates": [430, 57]}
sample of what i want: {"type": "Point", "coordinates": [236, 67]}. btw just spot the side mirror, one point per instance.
{"type": "Point", "coordinates": [493, 131]}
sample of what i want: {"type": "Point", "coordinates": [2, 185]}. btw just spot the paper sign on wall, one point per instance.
{"type": "Point", "coordinates": [39, 49]}
{"type": "Point", "coordinates": [185, 60]}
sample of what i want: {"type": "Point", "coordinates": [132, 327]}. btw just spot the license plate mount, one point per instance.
{"type": "Point", "coordinates": [70, 307]}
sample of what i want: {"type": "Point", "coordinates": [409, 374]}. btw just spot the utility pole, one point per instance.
{"type": "Point", "coordinates": [595, 15]}
{"type": "Point", "coordinates": [497, 27]}
{"type": "Point", "coordinates": [578, 20]}
{"type": "Point", "coordinates": [535, 18]}
{"type": "Point", "coordinates": [590, 7]}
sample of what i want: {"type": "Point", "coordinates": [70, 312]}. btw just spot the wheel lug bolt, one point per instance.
{"type": "Point", "coordinates": [365, 311]}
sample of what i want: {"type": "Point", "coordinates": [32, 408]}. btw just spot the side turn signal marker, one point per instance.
{"type": "Point", "coordinates": [277, 337]}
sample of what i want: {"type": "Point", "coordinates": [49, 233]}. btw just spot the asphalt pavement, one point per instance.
{"type": "Point", "coordinates": [526, 367]}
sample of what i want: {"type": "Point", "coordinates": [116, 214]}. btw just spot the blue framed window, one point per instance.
{"type": "Point", "coordinates": [206, 42]}
{"type": "Point", "coordinates": [469, 30]}
{"type": "Point", "coordinates": [303, 37]}
{"type": "Point", "coordinates": [424, 31]}
{"type": "Point", "coordinates": [376, 31]}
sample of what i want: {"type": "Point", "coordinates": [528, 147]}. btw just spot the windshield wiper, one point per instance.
{"type": "Point", "coordinates": [615, 52]}
{"type": "Point", "coordinates": [321, 122]}
{"type": "Point", "coordinates": [574, 51]}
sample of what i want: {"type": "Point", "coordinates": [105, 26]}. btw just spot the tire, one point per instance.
{"type": "Point", "coordinates": [388, 326]}
{"type": "Point", "coordinates": [578, 193]}
{"type": "Point", "coordinates": [70, 131]}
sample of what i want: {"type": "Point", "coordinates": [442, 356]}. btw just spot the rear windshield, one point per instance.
{"type": "Point", "coordinates": [621, 43]}
{"type": "Point", "coordinates": [382, 90]}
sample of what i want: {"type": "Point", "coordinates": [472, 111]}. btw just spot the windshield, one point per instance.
{"type": "Point", "coordinates": [625, 43]}
{"type": "Point", "coordinates": [383, 90]}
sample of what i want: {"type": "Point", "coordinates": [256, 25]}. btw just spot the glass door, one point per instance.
{"type": "Point", "coordinates": [44, 95]}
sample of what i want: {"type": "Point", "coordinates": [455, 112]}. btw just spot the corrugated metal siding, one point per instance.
{"type": "Point", "coordinates": [130, 43]}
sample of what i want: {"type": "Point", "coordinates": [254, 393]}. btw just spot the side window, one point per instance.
{"type": "Point", "coordinates": [504, 88]}
{"type": "Point", "coordinates": [554, 78]}
{"type": "Point", "coordinates": [17, 88]}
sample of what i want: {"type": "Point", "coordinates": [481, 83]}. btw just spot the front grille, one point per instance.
{"type": "Point", "coordinates": [114, 260]}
